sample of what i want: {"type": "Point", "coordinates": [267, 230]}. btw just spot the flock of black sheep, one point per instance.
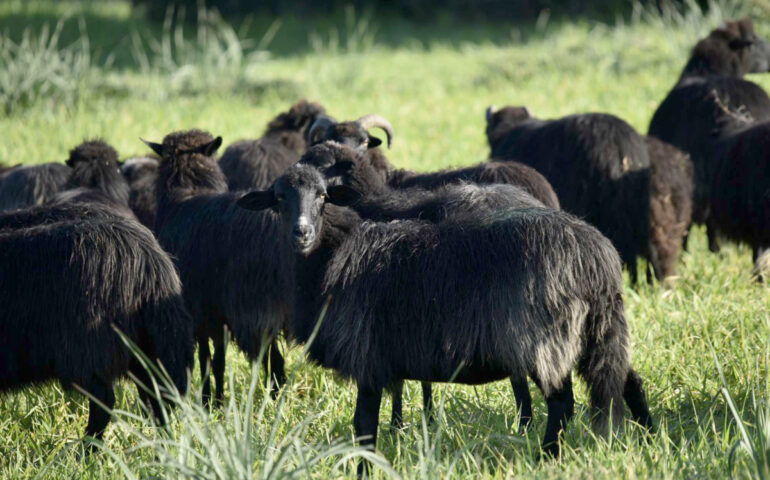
{"type": "Point", "coordinates": [507, 269]}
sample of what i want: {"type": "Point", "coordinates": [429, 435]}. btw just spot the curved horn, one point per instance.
{"type": "Point", "coordinates": [491, 110]}
{"type": "Point", "coordinates": [377, 121]}
{"type": "Point", "coordinates": [320, 125]}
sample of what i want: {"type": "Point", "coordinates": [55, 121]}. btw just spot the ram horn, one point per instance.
{"type": "Point", "coordinates": [377, 121]}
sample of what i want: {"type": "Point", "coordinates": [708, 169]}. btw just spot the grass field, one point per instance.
{"type": "Point", "coordinates": [112, 74]}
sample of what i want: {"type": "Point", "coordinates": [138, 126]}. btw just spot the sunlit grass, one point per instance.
{"type": "Point", "coordinates": [434, 90]}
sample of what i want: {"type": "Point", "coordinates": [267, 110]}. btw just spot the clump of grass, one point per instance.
{"type": "Point", "coordinates": [357, 36]}
{"type": "Point", "coordinates": [252, 436]}
{"type": "Point", "coordinates": [216, 57]}
{"type": "Point", "coordinates": [38, 69]}
{"type": "Point", "coordinates": [753, 447]}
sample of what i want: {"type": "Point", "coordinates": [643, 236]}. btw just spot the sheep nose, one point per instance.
{"type": "Point", "coordinates": [303, 232]}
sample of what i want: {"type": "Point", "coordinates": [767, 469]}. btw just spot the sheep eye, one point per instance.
{"type": "Point", "coordinates": [322, 196]}
{"type": "Point", "coordinates": [280, 197]}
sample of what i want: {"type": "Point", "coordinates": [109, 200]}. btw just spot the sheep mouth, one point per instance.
{"type": "Point", "coordinates": [303, 247]}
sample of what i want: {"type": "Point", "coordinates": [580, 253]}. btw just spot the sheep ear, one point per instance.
{"type": "Point", "coordinates": [374, 142]}
{"type": "Point", "coordinates": [739, 43]}
{"type": "Point", "coordinates": [211, 148]}
{"type": "Point", "coordinates": [259, 200]}
{"type": "Point", "coordinates": [156, 147]}
{"type": "Point", "coordinates": [342, 195]}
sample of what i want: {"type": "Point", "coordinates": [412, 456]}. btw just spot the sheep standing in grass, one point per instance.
{"type": "Point", "coordinates": [671, 190]}
{"type": "Point", "coordinates": [711, 84]}
{"type": "Point", "coordinates": [740, 192]}
{"type": "Point", "coordinates": [231, 262]}
{"type": "Point", "coordinates": [141, 173]}
{"type": "Point", "coordinates": [597, 164]}
{"type": "Point", "coordinates": [379, 201]}
{"type": "Point", "coordinates": [71, 274]}
{"type": "Point", "coordinates": [95, 176]}
{"type": "Point", "coordinates": [388, 319]}
{"type": "Point", "coordinates": [256, 163]}
{"type": "Point", "coordinates": [355, 134]}
{"type": "Point", "coordinates": [32, 185]}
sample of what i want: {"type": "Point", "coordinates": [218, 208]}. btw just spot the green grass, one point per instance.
{"type": "Point", "coordinates": [434, 84]}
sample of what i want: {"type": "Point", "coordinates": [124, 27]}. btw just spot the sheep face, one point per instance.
{"type": "Point", "coordinates": [350, 134]}
{"type": "Point", "coordinates": [299, 197]}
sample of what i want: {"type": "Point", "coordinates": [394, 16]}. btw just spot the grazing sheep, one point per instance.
{"type": "Point", "coordinates": [671, 190]}
{"type": "Point", "coordinates": [356, 136]}
{"type": "Point", "coordinates": [141, 173]}
{"type": "Point", "coordinates": [597, 164]}
{"type": "Point", "coordinates": [32, 185]}
{"type": "Point", "coordinates": [230, 262]}
{"type": "Point", "coordinates": [256, 163]}
{"type": "Point", "coordinates": [95, 176]}
{"type": "Point", "coordinates": [689, 118]}
{"type": "Point", "coordinates": [68, 278]}
{"type": "Point", "coordinates": [387, 319]}
{"type": "Point", "coordinates": [740, 193]}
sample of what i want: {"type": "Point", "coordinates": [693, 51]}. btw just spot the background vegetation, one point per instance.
{"type": "Point", "coordinates": [70, 71]}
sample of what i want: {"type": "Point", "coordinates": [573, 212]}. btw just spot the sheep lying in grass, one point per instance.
{"type": "Point", "coordinates": [70, 274]}
{"type": "Point", "coordinates": [355, 135]}
{"type": "Point", "coordinates": [256, 163]}
{"type": "Point", "coordinates": [32, 185]}
{"type": "Point", "coordinates": [141, 173]}
{"type": "Point", "coordinates": [597, 164]}
{"type": "Point", "coordinates": [388, 319]}
{"type": "Point", "coordinates": [230, 262]}
{"type": "Point", "coordinates": [711, 84]}
{"type": "Point", "coordinates": [671, 190]}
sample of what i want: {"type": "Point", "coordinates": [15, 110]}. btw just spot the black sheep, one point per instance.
{"type": "Point", "coordinates": [510, 173]}
{"type": "Point", "coordinates": [95, 177]}
{"type": "Point", "coordinates": [355, 134]}
{"type": "Point", "coordinates": [141, 173]}
{"type": "Point", "coordinates": [740, 193]}
{"type": "Point", "coordinates": [256, 163]}
{"type": "Point", "coordinates": [671, 190]}
{"type": "Point", "coordinates": [93, 271]}
{"type": "Point", "coordinates": [25, 186]}
{"type": "Point", "coordinates": [447, 199]}
{"type": "Point", "coordinates": [711, 83]}
{"type": "Point", "coordinates": [388, 319]}
{"type": "Point", "coordinates": [230, 262]}
{"type": "Point", "coordinates": [597, 164]}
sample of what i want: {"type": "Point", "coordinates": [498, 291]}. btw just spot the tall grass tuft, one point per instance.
{"type": "Point", "coordinates": [753, 446]}
{"type": "Point", "coordinates": [214, 57]}
{"type": "Point", "coordinates": [252, 437]}
{"type": "Point", "coordinates": [38, 68]}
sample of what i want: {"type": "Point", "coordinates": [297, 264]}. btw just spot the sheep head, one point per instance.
{"type": "Point", "coordinates": [299, 197]}
{"type": "Point", "coordinates": [354, 134]}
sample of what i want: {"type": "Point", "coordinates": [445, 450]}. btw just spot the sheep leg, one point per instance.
{"type": "Point", "coordinates": [218, 366]}
{"type": "Point", "coordinates": [523, 400]}
{"type": "Point", "coordinates": [427, 401]}
{"type": "Point", "coordinates": [711, 233]}
{"type": "Point", "coordinates": [144, 387]}
{"type": "Point", "coordinates": [204, 359]}
{"type": "Point", "coordinates": [636, 399]}
{"type": "Point", "coordinates": [98, 415]}
{"type": "Point", "coordinates": [561, 407]}
{"type": "Point", "coordinates": [274, 367]}
{"type": "Point", "coordinates": [397, 392]}
{"type": "Point", "coordinates": [365, 421]}
{"type": "Point", "coordinates": [633, 273]}
{"type": "Point", "coordinates": [685, 238]}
